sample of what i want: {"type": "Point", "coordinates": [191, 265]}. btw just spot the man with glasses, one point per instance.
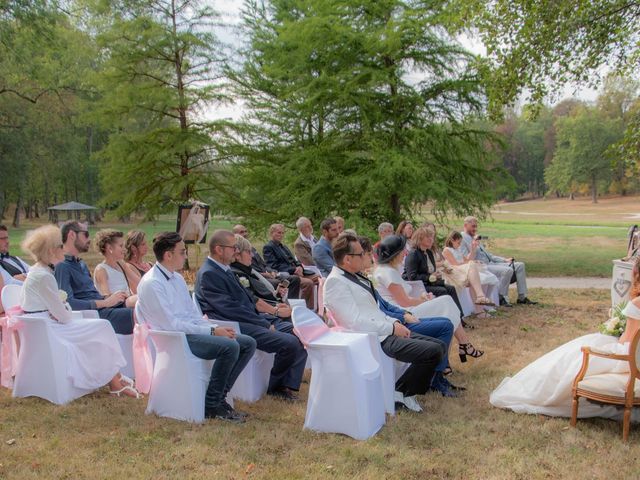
{"type": "Point", "coordinates": [221, 296]}
{"type": "Point", "coordinates": [74, 278]}
{"type": "Point", "coordinates": [352, 300]}
{"type": "Point", "coordinates": [12, 269]}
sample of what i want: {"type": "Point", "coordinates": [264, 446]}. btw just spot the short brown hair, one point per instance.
{"type": "Point", "coordinates": [106, 237]}
{"type": "Point", "coordinates": [451, 238]}
{"type": "Point", "coordinates": [342, 246]}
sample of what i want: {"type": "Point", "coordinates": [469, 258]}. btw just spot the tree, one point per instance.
{"type": "Point", "coordinates": [158, 76]}
{"type": "Point", "coordinates": [358, 107]}
{"type": "Point", "coordinates": [581, 153]}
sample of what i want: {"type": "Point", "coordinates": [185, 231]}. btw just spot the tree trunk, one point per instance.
{"type": "Point", "coordinates": [594, 189]}
{"type": "Point", "coordinates": [16, 214]}
{"type": "Point", "coordinates": [395, 207]}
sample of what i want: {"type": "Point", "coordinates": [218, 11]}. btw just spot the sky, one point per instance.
{"type": "Point", "coordinates": [229, 11]}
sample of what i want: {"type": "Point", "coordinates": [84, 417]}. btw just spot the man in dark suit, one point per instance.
{"type": "Point", "coordinates": [221, 296]}
{"type": "Point", "coordinates": [280, 259]}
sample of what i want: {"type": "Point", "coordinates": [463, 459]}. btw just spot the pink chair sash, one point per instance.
{"type": "Point", "coordinates": [9, 356]}
{"type": "Point", "coordinates": [142, 363]}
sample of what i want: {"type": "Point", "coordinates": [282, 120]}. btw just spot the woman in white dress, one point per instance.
{"type": "Point", "coordinates": [461, 271]}
{"type": "Point", "coordinates": [545, 386]}
{"type": "Point", "coordinates": [393, 288]}
{"type": "Point", "coordinates": [114, 274]}
{"type": "Point", "coordinates": [94, 357]}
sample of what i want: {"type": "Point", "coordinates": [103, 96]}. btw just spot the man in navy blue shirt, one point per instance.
{"type": "Point", "coordinates": [74, 278]}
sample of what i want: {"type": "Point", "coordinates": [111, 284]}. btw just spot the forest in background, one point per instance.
{"type": "Point", "coordinates": [104, 102]}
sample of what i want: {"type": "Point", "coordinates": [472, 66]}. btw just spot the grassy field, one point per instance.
{"type": "Point", "coordinates": [102, 437]}
{"type": "Point", "coordinates": [553, 237]}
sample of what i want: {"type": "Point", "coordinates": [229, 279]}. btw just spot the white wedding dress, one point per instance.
{"type": "Point", "coordinates": [544, 386]}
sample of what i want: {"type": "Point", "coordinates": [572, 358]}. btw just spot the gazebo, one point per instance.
{"type": "Point", "coordinates": [70, 208]}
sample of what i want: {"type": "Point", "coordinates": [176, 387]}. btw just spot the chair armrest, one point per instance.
{"type": "Point", "coordinates": [601, 354]}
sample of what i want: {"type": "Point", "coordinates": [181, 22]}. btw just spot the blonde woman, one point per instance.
{"type": "Point", "coordinates": [94, 357]}
{"type": "Point", "coordinates": [114, 274]}
{"type": "Point", "coordinates": [135, 249]}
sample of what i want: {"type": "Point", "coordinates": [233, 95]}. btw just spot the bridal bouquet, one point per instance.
{"type": "Point", "coordinates": [617, 323]}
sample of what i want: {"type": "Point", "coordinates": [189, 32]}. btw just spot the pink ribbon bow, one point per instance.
{"type": "Point", "coordinates": [9, 356]}
{"type": "Point", "coordinates": [142, 363]}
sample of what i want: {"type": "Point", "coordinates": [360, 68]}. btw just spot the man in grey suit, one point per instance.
{"type": "Point", "coordinates": [501, 267]}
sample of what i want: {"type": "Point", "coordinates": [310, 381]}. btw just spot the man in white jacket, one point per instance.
{"type": "Point", "coordinates": [351, 300]}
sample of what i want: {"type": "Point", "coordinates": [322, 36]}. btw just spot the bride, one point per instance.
{"type": "Point", "coordinates": [544, 386]}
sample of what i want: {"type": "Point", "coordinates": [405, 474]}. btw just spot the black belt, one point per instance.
{"type": "Point", "coordinates": [36, 311]}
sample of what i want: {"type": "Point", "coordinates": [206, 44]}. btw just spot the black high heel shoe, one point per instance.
{"type": "Point", "coordinates": [465, 349]}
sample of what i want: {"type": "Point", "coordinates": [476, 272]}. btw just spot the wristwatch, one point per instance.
{"type": "Point", "coordinates": [213, 331]}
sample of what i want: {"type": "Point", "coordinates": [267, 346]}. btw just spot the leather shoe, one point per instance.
{"type": "Point", "coordinates": [221, 413]}
{"type": "Point", "coordinates": [526, 301]}
{"type": "Point", "coordinates": [451, 385]}
{"type": "Point", "coordinates": [229, 408]}
{"type": "Point", "coordinates": [504, 302]}
{"type": "Point", "coordinates": [441, 385]}
{"type": "Point", "coordinates": [284, 394]}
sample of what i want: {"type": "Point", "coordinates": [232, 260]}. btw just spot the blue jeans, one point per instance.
{"type": "Point", "coordinates": [435, 327]}
{"type": "Point", "coordinates": [231, 356]}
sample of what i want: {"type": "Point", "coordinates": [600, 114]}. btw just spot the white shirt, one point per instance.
{"type": "Point", "coordinates": [19, 264]}
{"type": "Point", "coordinates": [40, 292]}
{"type": "Point", "coordinates": [310, 240]}
{"type": "Point", "coordinates": [165, 304]}
{"type": "Point", "coordinates": [385, 275]}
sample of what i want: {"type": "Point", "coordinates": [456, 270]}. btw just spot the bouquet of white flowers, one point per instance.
{"type": "Point", "coordinates": [617, 323]}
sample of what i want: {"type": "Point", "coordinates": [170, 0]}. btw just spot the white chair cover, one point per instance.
{"type": "Point", "coordinates": [346, 392]}
{"type": "Point", "coordinates": [10, 296]}
{"type": "Point", "coordinates": [253, 382]}
{"type": "Point", "coordinates": [180, 379]}
{"type": "Point", "coordinates": [41, 364]}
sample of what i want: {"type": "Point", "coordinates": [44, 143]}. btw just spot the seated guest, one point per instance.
{"type": "Point", "coordinates": [113, 274]}
{"type": "Point", "coordinates": [93, 353]}
{"type": "Point", "coordinates": [463, 272]}
{"type": "Point", "coordinates": [274, 277]}
{"type": "Point", "coordinates": [135, 249]}
{"type": "Point", "coordinates": [221, 295]}
{"type": "Point", "coordinates": [73, 277]}
{"type": "Point", "coordinates": [503, 268]}
{"type": "Point", "coordinates": [395, 289]}
{"type": "Point", "coordinates": [13, 269]}
{"type": "Point", "coordinates": [305, 242]}
{"type": "Point", "coordinates": [421, 264]}
{"type": "Point", "coordinates": [265, 297]}
{"type": "Point", "coordinates": [165, 304]}
{"type": "Point", "coordinates": [384, 230]}
{"type": "Point", "coordinates": [280, 259]}
{"type": "Point", "coordinates": [436, 327]}
{"type": "Point", "coordinates": [353, 303]}
{"type": "Point", "coordinates": [323, 251]}
{"type": "Point", "coordinates": [339, 224]}
{"type": "Point", "coordinates": [405, 229]}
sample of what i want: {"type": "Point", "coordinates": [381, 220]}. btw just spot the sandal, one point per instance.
{"type": "Point", "coordinates": [482, 300]}
{"type": "Point", "coordinates": [126, 380]}
{"type": "Point", "coordinates": [483, 315]}
{"type": "Point", "coordinates": [465, 349]}
{"type": "Point", "coordinates": [123, 392]}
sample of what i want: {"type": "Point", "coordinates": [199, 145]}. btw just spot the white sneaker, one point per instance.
{"type": "Point", "coordinates": [412, 404]}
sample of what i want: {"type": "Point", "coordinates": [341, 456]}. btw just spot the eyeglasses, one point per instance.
{"type": "Point", "coordinates": [86, 233]}
{"type": "Point", "coordinates": [235, 247]}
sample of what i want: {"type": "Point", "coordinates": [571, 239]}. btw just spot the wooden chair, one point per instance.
{"type": "Point", "coordinates": [613, 388]}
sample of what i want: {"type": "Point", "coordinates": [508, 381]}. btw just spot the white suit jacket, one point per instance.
{"type": "Point", "coordinates": [354, 307]}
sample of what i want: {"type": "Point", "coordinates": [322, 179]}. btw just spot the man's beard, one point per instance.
{"type": "Point", "coordinates": [82, 248]}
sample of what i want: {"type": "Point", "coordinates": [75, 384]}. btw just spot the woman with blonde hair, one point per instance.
{"type": "Point", "coordinates": [135, 248]}
{"type": "Point", "coordinates": [94, 357]}
{"type": "Point", "coordinates": [114, 274]}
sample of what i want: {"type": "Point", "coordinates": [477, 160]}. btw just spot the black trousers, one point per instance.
{"type": "Point", "coordinates": [440, 290]}
{"type": "Point", "coordinates": [423, 353]}
{"type": "Point", "coordinates": [121, 318]}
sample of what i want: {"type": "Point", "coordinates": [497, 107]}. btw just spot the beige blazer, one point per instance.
{"type": "Point", "coordinates": [302, 251]}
